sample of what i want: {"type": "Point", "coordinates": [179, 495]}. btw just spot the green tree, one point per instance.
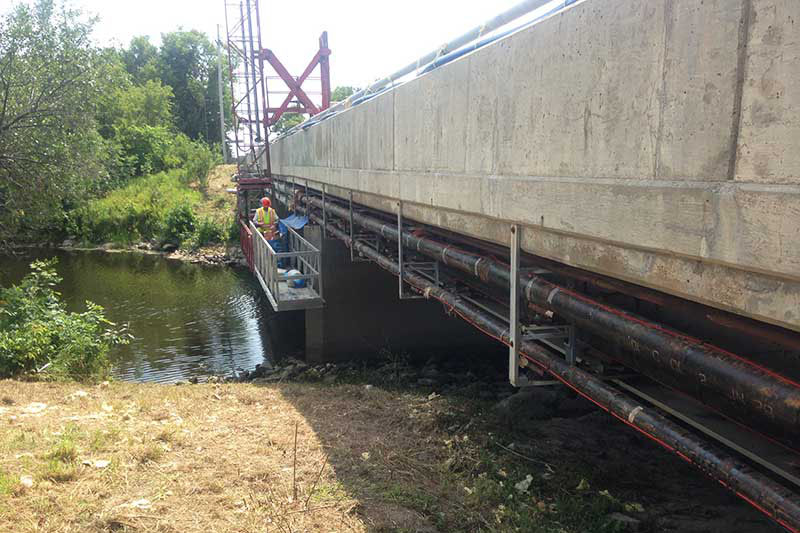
{"type": "Point", "coordinates": [141, 60]}
{"type": "Point", "coordinates": [149, 104]}
{"type": "Point", "coordinates": [342, 93]}
{"type": "Point", "coordinates": [287, 122]}
{"type": "Point", "coordinates": [187, 61]}
{"type": "Point", "coordinates": [50, 83]}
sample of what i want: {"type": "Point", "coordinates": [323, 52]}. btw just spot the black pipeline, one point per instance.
{"type": "Point", "coordinates": [755, 488]}
{"type": "Point", "coordinates": [722, 380]}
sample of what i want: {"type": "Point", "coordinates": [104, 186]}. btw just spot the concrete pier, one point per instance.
{"type": "Point", "coordinates": [364, 316]}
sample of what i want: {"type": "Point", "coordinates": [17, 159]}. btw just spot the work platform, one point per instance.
{"type": "Point", "coordinates": [291, 279]}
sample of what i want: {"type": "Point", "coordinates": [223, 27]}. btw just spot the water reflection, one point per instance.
{"type": "Point", "coordinates": [187, 319]}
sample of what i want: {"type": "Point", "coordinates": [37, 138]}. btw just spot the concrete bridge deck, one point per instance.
{"type": "Point", "coordinates": [655, 142]}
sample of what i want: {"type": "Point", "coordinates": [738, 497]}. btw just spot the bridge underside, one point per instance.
{"type": "Point", "coordinates": [630, 146]}
{"type": "Point", "coordinates": [654, 142]}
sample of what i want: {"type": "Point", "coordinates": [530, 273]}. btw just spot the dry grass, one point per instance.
{"type": "Point", "coordinates": [219, 458]}
{"type": "Point", "coordinates": [200, 458]}
{"type": "Point", "coordinates": [218, 203]}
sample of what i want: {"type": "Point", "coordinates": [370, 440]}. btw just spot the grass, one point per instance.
{"type": "Point", "coordinates": [219, 457]}
{"type": "Point", "coordinates": [8, 483]}
{"type": "Point", "coordinates": [140, 210]}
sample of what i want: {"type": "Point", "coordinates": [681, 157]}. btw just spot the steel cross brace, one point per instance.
{"type": "Point", "coordinates": [295, 84]}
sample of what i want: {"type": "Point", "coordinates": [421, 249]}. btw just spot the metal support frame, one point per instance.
{"type": "Point", "coordinates": [350, 227]}
{"type": "Point", "coordinates": [365, 237]}
{"type": "Point", "coordinates": [249, 99]}
{"type": "Point", "coordinates": [514, 327]}
{"type": "Point", "coordinates": [324, 213]}
{"type": "Point", "coordinates": [561, 338]}
{"type": "Point", "coordinates": [400, 260]}
{"type": "Point", "coordinates": [297, 96]}
{"type": "Point", "coordinates": [430, 269]}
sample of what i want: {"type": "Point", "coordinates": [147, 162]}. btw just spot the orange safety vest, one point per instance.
{"type": "Point", "coordinates": [267, 220]}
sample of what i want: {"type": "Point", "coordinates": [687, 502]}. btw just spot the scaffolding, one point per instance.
{"type": "Point", "coordinates": [249, 95]}
{"type": "Point", "coordinates": [250, 83]}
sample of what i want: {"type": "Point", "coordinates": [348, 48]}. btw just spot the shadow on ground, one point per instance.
{"type": "Point", "coordinates": [419, 461]}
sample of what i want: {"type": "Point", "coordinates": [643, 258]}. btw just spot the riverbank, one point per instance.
{"type": "Point", "coordinates": [213, 204]}
{"type": "Point", "coordinates": [369, 457]}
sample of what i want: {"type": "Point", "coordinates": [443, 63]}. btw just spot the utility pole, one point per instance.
{"type": "Point", "coordinates": [222, 135]}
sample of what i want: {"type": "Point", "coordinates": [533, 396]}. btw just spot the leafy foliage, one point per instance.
{"type": "Point", "coordinates": [37, 332]}
{"type": "Point", "coordinates": [287, 122]}
{"type": "Point", "coordinates": [51, 77]}
{"type": "Point", "coordinates": [188, 64]}
{"type": "Point", "coordinates": [158, 208]}
{"type": "Point", "coordinates": [180, 224]}
{"type": "Point", "coordinates": [342, 93]}
{"type": "Point", "coordinates": [141, 60]}
{"type": "Point", "coordinates": [77, 121]}
{"type": "Point", "coordinates": [208, 232]}
{"type": "Point", "coordinates": [137, 211]}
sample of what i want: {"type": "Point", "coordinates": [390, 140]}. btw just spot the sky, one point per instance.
{"type": "Point", "coordinates": [369, 39]}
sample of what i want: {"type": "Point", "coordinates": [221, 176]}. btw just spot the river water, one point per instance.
{"type": "Point", "coordinates": [188, 320]}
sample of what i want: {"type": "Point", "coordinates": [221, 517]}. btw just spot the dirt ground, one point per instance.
{"type": "Point", "coordinates": [222, 458]}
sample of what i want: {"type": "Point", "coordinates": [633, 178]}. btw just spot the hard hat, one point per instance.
{"type": "Point", "coordinates": [265, 202]}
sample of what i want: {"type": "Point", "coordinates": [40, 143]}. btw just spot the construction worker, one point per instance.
{"type": "Point", "coordinates": [266, 220]}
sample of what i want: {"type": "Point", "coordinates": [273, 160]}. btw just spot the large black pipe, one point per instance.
{"type": "Point", "coordinates": [769, 497]}
{"type": "Point", "coordinates": [722, 380]}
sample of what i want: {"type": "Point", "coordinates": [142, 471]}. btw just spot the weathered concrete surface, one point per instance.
{"type": "Point", "coordinates": [655, 141]}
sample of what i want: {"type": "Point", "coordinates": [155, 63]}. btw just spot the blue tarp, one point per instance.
{"type": "Point", "coordinates": [293, 221]}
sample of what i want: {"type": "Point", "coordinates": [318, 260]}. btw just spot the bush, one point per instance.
{"type": "Point", "coordinates": [37, 333]}
{"type": "Point", "coordinates": [194, 158]}
{"type": "Point", "coordinates": [234, 230]}
{"type": "Point", "coordinates": [208, 232]}
{"type": "Point", "coordinates": [137, 211]}
{"type": "Point", "coordinates": [180, 224]}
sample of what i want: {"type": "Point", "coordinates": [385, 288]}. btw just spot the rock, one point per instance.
{"type": "Point", "coordinates": [430, 372]}
{"type": "Point", "coordinates": [624, 522]}
{"type": "Point", "coordinates": [68, 243]}
{"type": "Point", "coordinates": [26, 481]}
{"type": "Point", "coordinates": [142, 503]}
{"type": "Point", "coordinates": [108, 246]}
{"type": "Point", "coordinates": [537, 403]}
{"type": "Point", "coordinates": [169, 247]}
{"type": "Point", "coordinates": [143, 246]}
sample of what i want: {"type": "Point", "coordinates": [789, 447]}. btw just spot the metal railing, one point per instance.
{"type": "Point", "coordinates": [271, 267]}
{"type": "Point", "coordinates": [246, 242]}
